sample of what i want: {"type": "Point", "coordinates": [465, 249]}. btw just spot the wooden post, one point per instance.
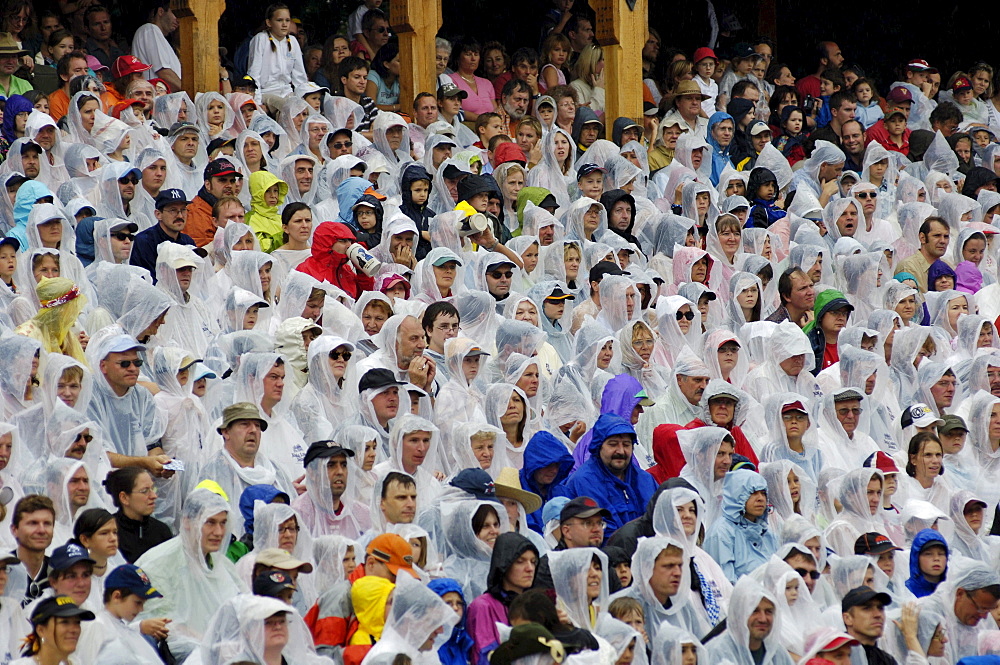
{"type": "Point", "coordinates": [621, 31]}
{"type": "Point", "coordinates": [199, 43]}
{"type": "Point", "coordinates": [767, 19]}
{"type": "Point", "coordinates": [416, 22]}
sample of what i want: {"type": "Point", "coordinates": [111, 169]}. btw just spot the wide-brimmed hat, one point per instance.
{"type": "Point", "coordinates": [8, 45]}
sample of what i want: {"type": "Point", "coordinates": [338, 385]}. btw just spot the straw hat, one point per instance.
{"type": "Point", "coordinates": [508, 485]}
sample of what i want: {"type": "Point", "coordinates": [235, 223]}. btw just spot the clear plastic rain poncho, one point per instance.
{"type": "Point", "coordinates": [193, 583]}
{"type": "Point", "coordinates": [685, 611]}
{"type": "Point", "coordinates": [895, 292]}
{"type": "Point", "coordinates": [189, 323]}
{"type": "Point", "coordinates": [967, 541]}
{"type": "Point", "coordinates": [557, 332]}
{"type": "Point", "coordinates": [700, 447]}
{"type": "Point", "coordinates": [236, 634]}
{"type": "Point", "coordinates": [571, 576]}
{"type": "Point", "coordinates": [536, 218]}
{"type": "Point", "coordinates": [733, 645]}
{"type": "Point", "coordinates": [928, 623]}
{"type": "Point", "coordinates": [466, 556]}
{"type": "Point", "coordinates": [143, 206]}
{"type": "Point", "coordinates": [418, 618]}
{"type": "Point", "coordinates": [670, 641]}
{"type": "Point", "coordinates": [325, 401]}
{"type": "Point", "coordinates": [673, 341]}
{"type": "Point", "coordinates": [982, 443]}
{"type": "Point", "coordinates": [428, 486]}
{"type": "Point", "coordinates": [235, 307]}
{"type": "Point", "coordinates": [459, 400]}
{"type": "Point", "coordinates": [738, 284]}
{"type": "Point", "coordinates": [490, 450]}
{"type": "Point", "coordinates": [425, 285]}
{"type": "Point", "coordinates": [102, 242]}
{"type": "Point", "coordinates": [942, 304]}
{"type": "Point", "coordinates": [856, 517]}
{"type": "Point", "coordinates": [383, 122]}
{"type": "Point", "coordinates": [584, 372]}
{"type": "Point", "coordinates": [44, 213]}
{"type": "Point", "coordinates": [957, 210]}
{"type": "Point", "coordinates": [171, 108]}
{"type": "Point", "coordinates": [909, 346]}
{"type": "Point", "coordinates": [787, 341]}
{"type": "Point", "coordinates": [653, 376]}
{"type": "Point", "coordinates": [807, 178]}
{"type": "Point", "coordinates": [862, 278]}
{"type": "Point", "coordinates": [76, 127]}
{"type": "Point", "coordinates": [574, 219]}
{"type": "Point", "coordinates": [498, 397]}
{"type": "Point", "coordinates": [856, 367]}
{"type": "Point", "coordinates": [798, 618]}
{"type": "Point", "coordinates": [19, 359]}
{"type": "Point", "coordinates": [620, 302]}
{"type": "Point", "coordinates": [267, 521]}
{"type": "Point", "coordinates": [549, 173]}
{"type": "Point", "coordinates": [838, 448]}
{"type": "Point", "coordinates": [621, 636]}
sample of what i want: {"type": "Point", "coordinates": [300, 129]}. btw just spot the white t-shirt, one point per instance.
{"type": "Point", "coordinates": [354, 21]}
{"type": "Point", "coordinates": [152, 48]}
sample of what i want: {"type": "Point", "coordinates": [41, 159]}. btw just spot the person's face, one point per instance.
{"type": "Point", "coordinates": [616, 453]}
{"type": "Point", "coordinates": [355, 81]}
{"type": "Point", "coordinates": [721, 410]}
{"type": "Point", "coordinates": [839, 656]}
{"type": "Point", "coordinates": [213, 532]}
{"type": "Point", "coordinates": [756, 505]}
{"type": "Point", "coordinates": [445, 328]}
{"type": "Point", "coordinates": [78, 488]}
{"type": "Point", "coordinates": [971, 607]}
{"type": "Point", "coordinates": [426, 111]}
{"type": "Point", "coordinates": [956, 308]}
{"type": "Point", "coordinates": [74, 582]}
{"type": "Point", "coordinates": [99, 26]}
{"type": "Point", "coordinates": [400, 503]}
{"type": "Point", "coordinates": [933, 560]}
{"type": "Point", "coordinates": [304, 175]}
{"type": "Point", "coordinates": [154, 175]}
{"type": "Point", "coordinates": [728, 356]}
{"type": "Point", "coordinates": [665, 580]}
{"type": "Point", "coordinates": [748, 298]}
{"type": "Point", "coordinates": [242, 437]}
{"type": "Point", "coordinates": [935, 242]}
{"type": "Point", "coordinates": [589, 133]}
{"type": "Point", "coordinates": [723, 132]}
{"type": "Point", "coordinates": [414, 448]}
{"type": "Point", "coordinates": [47, 267]}
{"type": "Point", "coordinates": [793, 365]}
{"type": "Point", "coordinates": [723, 460]}
{"type": "Point", "coordinates": [944, 391]}
{"type": "Point", "coordinates": [849, 414]}
{"type": "Point", "coordinates": [336, 471]}
{"type": "Point", "coordinates": [759, 141]}
{"type": "Point", "coordinates": [482, 447]}
{"type": "Point", "coordinates": [692, 387]}
{"type": "Point", "coordinates": [761, 620]}
{"type": "Point", "coordinates": [274, 383]}
{"type": "Point", "coordinates": [642, 344]}
{"type": "Point", "coordinates": [847, 223]}
{"type": "Point", "coordinates": [31, 163]}
{"type": "Point", "coordinates": [34, 531]}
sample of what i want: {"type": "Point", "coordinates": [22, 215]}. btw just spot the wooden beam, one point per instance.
{"type": "Point", "coordinates": [199, 43]}
{"type": "Point", "coordinates": [621, 31]}
{"type": "Point", "coordinates": [767, 19]}
{"type": "Point", "coordinates": [416, 22]}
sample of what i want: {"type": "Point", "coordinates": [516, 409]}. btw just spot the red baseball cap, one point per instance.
{"type": "Point", "coordinates": [961, 83]}
{"type": "Point", "coordinates": [794, 406]}
{"type": "Point", "coordinates": [899, 94]}
{"type": "Point", "coordinates": [127, 64]}
{"type": "Point", "coordinates": [921, 65]}
{"type": "Point", "coordinates": [839, 640]}
{"type": "Point", "coordinates": [704, 52]}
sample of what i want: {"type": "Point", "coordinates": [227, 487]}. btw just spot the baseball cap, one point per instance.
{"type": "Point", "coordinates": [862, 595]}
{"type": "Point", "coordinates": [451, 90]}
{"type": "Point", "coordinates": [124, 225]}
{"type": "Point", "coordinates": [583, 507]}
{"type": "Point", "coordinates": [836, 641]}
{"type": "Point", "coordinates": [123, 343]}
{"type": "Point", "coordinates": [95, 65]}
{"type": "Point", "coordinates": [899, 94]}
{"type": "Point", "coordinates": [476, 482]}
{"type": "Point", "coordinates": [447, 258]}
{"type": "Point", "coordinates": [847, 395]}
{"type": "Point", "coordinates": [179, 128]}
{"type": "Point", "coordinates": [758, 128]}
{"type": "Point", "coordinates": [874, 543]}
{"type": "Point", "coordinates": [794, 406]}
{"type": "Point", "coordinates": [649, 108]}
{"type": "Point", "coordinates": [272, 583]}
{"type": "Point", "coordinates": [553, 508]}
{"type": "Point", "coordinates": [493, 266]}
{"type": "Point", "coordinates": [587, 169]}
{"type": "Point", "coordinates": [882, 462]}
{"type": "Point", "coordinates": [644, 398]}
{"type": "Point", "coordinates": [127, 64]}
{"type": "Point", "coordinates": [67, 556]}
{"type": "Point", "coordinates": [58, 606]}
{"type": "Point", "coordinates": [603, 268]}
{"type": "Point", "coordinates": [378, 377]}
{"type": "Point", "coordinates": [168, 196]}
{"type": "Point", "coordinates": [527, 640]}
{"type": "Point", "coordinates": [961, 83]}
{"type": "Point", "coordinates": [950, 422]}
{"type": "Point", "coordinates": [509, 152]}
{"type": "Point", "coordinates": [220, 167]}
{"type": "Point", "coordinates": [219, 143]}
{"type": "Point", "coordinates": [920, 65]}
{"type": "Point", "coordinates": [131, 577]}
{"type": "Point", "coordinates": [702, 53]}
{"type": "Point", "coordinates": [393, 551]}
{"type": "Point", "coordinates": [241, 411]}
{"type": "Point", "coordinates": [13, 242]}
{"type": "Point", "coordinates": [322, 449]}
{"type": "Point", "coordinates": [894, 112]}
{"type": "Point", "coordinates": [273, 557]}
{"type": "Point", "coordinates": [247, 80]}
{"type": "Point", "coordinates": [558, 294]}
{"type": "Point", "coordinates": [919, 415]}
{"type": "Point", "coordinates": [476, 351]}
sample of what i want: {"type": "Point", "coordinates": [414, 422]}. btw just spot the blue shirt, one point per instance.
{"type": "Point", "coordinates": [144, 247]}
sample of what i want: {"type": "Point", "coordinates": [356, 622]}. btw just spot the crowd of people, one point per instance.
{"type": "Point", "coordinates": [297, 371]}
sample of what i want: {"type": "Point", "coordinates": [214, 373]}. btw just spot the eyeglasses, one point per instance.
{"type": "Point", "coordinates": [794, 417]}
{"type": "Point", "coordinates": [981, 611]}
{"type": "Point", "coordinates": [593, 524]}
{"type": "Point", "coordinates": [381, 29]}
{"type": "Point", "coordinates": [447, 327]}
{"type": "Point", "coordinates": [289, 529]}
{"type": "Point", "coordinates": [339, 145]}
{"type": "Point", "coordinates": [689, 315]}
{"type": "Point", "coordinates": [83, 437]}
{"type": "Point", "coordinates": [496, 274]}
{"type": "Point", "coordinates": [128, 180]}
{"type": "Point", "coordinates": [122, 237]}
{"type": "Point", "coordinates": [336, 355]}
{"type": "Point", "coordinates": [145, 491]}
{"type": "Point", "coordinates": [867, 195]}
{"type": "Point", "coordinates": [125, 364]}
{"type": "Point", "coordinates": [803, 573]}
{"type": "Point", "coordinates": [856, 411]}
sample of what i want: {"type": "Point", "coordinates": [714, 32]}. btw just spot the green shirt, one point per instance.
{"type": "Point", "coordinates": [18, 86]}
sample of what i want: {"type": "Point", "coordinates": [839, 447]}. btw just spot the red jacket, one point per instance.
{"type": "Point", "coordinates": [880, 135]}
{"type": "Point", "coordinates": [669, 457]}
{"type": "Point", "coordinates": [333, 267]}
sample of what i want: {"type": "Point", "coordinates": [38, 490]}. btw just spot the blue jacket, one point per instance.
{"type": "Point", "coordinates": [265, 493]}
{"type": "Point", "coordinates": [144, 249]}
{"type": "Point", "coordinates": [625, 498]}
{"type": "Point", "coordinates": [736, 543]}
{"type": "Point", "coordinates": [542, 450]}
{"type": "Point", "coordinates": [27, 195]}
{"type": "Point", "coordinates": [457, 649]}
{"type": "Point", "coordinates": [720, 156]}
{"type": "Point", "coordinates": [348, 193]}
{"type": "Point", "coordinates": [917, 583]}
{"type": "Point", "coordinates": [619, 398]}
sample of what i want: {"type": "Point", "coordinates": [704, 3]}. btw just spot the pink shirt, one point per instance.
{"type": "Point", "coordinates": [478, 103]}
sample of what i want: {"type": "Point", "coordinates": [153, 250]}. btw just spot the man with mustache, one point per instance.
{"type": "Point", "coordinates": [611, 475]}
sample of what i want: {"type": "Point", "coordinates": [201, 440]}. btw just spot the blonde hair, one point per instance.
{"type": "Point", "coordinates": [638, 328]}
{"type": "Point", "coordinates": [72, 373]}
{"type": "Point", "coordinates": [586, 63]}
{"type": "Point", "coordinates": [553, 40]}
{"type": "Point", "coordinates": [571, 247]}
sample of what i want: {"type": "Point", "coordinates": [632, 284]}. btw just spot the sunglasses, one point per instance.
{"type": "Point", "coordinates": [685, 315]}
{"type": "Point", "coordinates": [128, 180]}
{"type": "Point", "coordinates": [125, 364]}
{"type": "Point", "coordinates": [122, 237]}
{"type": "Point", "coordinates": [867, 195]}
{"type": "Point", "coordinates": [496, 274]}
{"type": "Point", "coordinates": [803, 573]}
{"type": "Point", "coordinates": [336, 355]}
{"type": "Point", "coordinates": [83, 437]}
{"type": "Point", "coordinates": [341, 145]}
{"type": "Point", "coordinates": [381, 29]}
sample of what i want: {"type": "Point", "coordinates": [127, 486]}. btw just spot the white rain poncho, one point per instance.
{"type": "Point", "coordinates": [779, 495]}
{"type": "Point", "coordinates": [142, 304]}
{"type": "Point", "coordinates": [687, 143]}
{"type": "Point", "coordinates": [863, 278]}
{"type": "Point", "coordinates": [267, 521]}
{"type": "Point", "coordinates": [856, 517]}
{"type": "Point", "coordinates": [19, 358]}
{"type": "Point", "coordinates": [621, 636]}
{"type": "Point", "coordinates": [316, 505]}
{"type": "Point", "coordinates": [325, 401]}
{"type": "Point", "coordinates": [799, 618]}
{"type": "Point", "coordinates": [558, 332]}
{"type": "Point", "coordinates": [965, 540]}
{"type": "Point", "coordinates": [907, 349]}
{"type": "Point", "coordinates": [733, 645]}
{"type": "Point", "coordinates": [969, 575]}
{"type": "Point", "coordinates": [466, 556]}
{"type": "Point", "coordinates": [716, 339]}
{"type": "Point", "coordinates": [102, 243]}
{"type": "Point", "coordinates": [396, 224]}
{"type": "Point", "coordinates": [282, 442]}
{"type": "Point", "coordinates": [954, 208]}
{"type": "Point", "coordinates": [497, 401]}
{"type": "Point", "coordinates": [428, 486]}
{"type": "Point", "coordinates": [229, 240]}
{"type": "Point", "coordinates": [570, 575]}
{"type": "Point", "coordinates": [552, 264]}
{"type": "Point", "coordinates": [895, 292]}
{"type": "Point", "coordinates": [807, 178]}
{"type": "Point", "coordinates": [673, 407]}
{"type": "Point", "coordinates": [383, 122]}
{"type": "Point", "coordinates": [839, 448]}
{"type": "Point", "coordinates": [536, 218]}
{"type": "Point", "coordinates": [192, 582]}
{"type": "Point", "coordinates": [856, 367]}
{"type": "Point", "coordinates": [189, 323]}
{"type": "Point", "coordinates": [290, 342]}
{"type": "Point", "coordinates": [494, 455]}
{"type": "Point", "coordinates": [245, 269]}
{"type": "Point", "coordinates": [54, 483]}
{"type": "Point", "coordinates": [941, 304]}
{"type": "Point", "coordinates": [425, 286]}
{"type": "Point", "coordinates": [982, 445]}
{"type": "Point", "coordinates": [549, 173]}
{"type": "Point", "coordinates": [234, 308]}
{"type": "Point", "coordinates": [700, 447]}
{"type": "Point", "coordinates": [459, 400]}
{"type": "Point", "coordinates": [928, 374]}
{"type": "Point", "coordinates": [674, 343]}
{"type": "Point", "coordinates": [236, 634]}
{"type": "Point", "coordinates": [653, 376]}
{"type": "Point", "coordinates": [573, 219]}
{"type": "Point", "coordinates": [685, 611]}
{"type": "Point", "coordinates": [738, 283]}
{"type": "Point", "coordinates": [670, 641]}
{"type": "Point", "coordinates": [417, 617]}
{"type": "Point", "coordinates": [787, 341]}
{"type": "Point", "coordinates": [47, 212]}
{"type": "Point", "coordinates": [619, 305]}
{"type": "Point", "coordinates": [928, 623]}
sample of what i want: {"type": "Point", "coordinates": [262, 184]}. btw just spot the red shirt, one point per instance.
{"type": "Point", "coordinates": [806, 86]}
{"type": "Point", "coordinates": [880, 135]}
{"type": "Point", "coordinates": [831, 355]}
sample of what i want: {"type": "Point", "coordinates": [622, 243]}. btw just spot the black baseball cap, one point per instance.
{"type": "Point", "coordinates": [587, 169]}
{"type": "Point", "coordinates": [861, 595]}
{"type": "Point", "coordinates": [558, 294]}
{"type": "Point", "coordinates": [378, 378]}
{"type": "Point", "coordinates": [219, 143]}
{"type": "Point", "coordinates": [221, 167]}
{"type": "Point", "coordinates": [168, 196]}
{"type": "Point", "coordinates": [247, 80]}
{"type": "Point", "coordinates": [602, 268]}
{"type": "Point", "coordinates": [583, 507]}
{"type": "Point", "coordinates": [527, 640]}
{"type": "Point", "coordinates": [321, 449]}
{"type": "Point", "coordinates": [59, 606]}
{"type": "Point", "coordinates": [476, 482]}
{"type": "Point", "coordinates": [272, 583]}
{"type": "Point", "coordinates": [13, 242]}
{"type": "Point", "coordinates": [874, 543]}
{"type": "Point", "coordinates": [67, 556]}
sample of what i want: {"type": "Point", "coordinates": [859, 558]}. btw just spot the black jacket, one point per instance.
{"type": "Point", "coordinates": [135, 538]}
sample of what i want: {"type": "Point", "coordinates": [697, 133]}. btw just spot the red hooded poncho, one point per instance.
{"type": "Point", "coordinates": [333, 267]}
